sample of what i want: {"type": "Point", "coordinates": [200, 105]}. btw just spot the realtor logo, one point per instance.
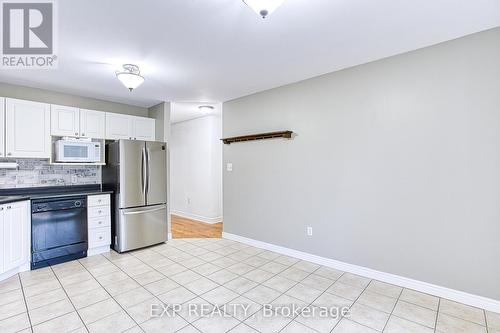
{"type": "Point", "coordinates": [28, 34]}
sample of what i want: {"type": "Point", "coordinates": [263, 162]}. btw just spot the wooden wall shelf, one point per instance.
{"type": "Point", "coordinates": [260, 136]}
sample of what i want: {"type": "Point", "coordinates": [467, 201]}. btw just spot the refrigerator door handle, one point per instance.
{"type": "Point", "coordinates": [143, 172]}
{"type": "Point", "coordinates": [144, 211]}
{"type": "Point", "coordinates": [148, 153]}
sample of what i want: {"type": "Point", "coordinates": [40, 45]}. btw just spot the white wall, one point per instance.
{"type": "Point", "coordinates": [396, 165]}
{"type": "Point", "coordinates": [195, 165]}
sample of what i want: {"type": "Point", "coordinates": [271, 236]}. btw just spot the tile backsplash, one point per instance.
{"type": "Point", "coordinates": [36, 172]}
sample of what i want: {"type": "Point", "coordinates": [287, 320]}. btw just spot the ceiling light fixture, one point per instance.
{"type": "Point", "coordinates": [130, 77]}
{"type": "Point", "coordinates": [264, 7]}
{"type": "Point", "coordinates": [206, 109]}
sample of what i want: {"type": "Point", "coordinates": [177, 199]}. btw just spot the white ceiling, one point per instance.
{"type": "Point", "coordinates": [217, 50]}
{"type": "Point", "coordinates": [187, 110]}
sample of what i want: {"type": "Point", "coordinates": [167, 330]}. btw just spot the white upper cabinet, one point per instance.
{"type": "Point", "coordinates": [2, 127]}
{"type": "Point", "coordinates": [118, 126]}
{"type": "Point", "coordinates": [27, 129]}
{"type": "Point", "coordinates": [92, 124]}
{"type": "Point", "coordinates": [143, 128]}
{"type": "Point", "coordinates": [64, 120]}
{"type": "Point", "coordinates": [70, 121]}
{"type": "Point", "coordinates": [16, 237]}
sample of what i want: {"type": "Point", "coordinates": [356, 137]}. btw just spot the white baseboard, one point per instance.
{"type": "Point", "coordinates": [199, 218]}
{"type": "Point", "coordinates": [169, 236]}
{"type": "Point", "coordinates": [454, 295]}
{"type": "Point", "coordinates": [23, 268]}
{"type": "Point", "coordinates": [98, 250]}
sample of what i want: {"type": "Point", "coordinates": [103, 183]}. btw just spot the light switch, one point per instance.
{"type": "Point", "coordinates": [230, 167]}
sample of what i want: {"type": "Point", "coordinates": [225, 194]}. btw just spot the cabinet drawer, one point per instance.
{"type": "Point", "coordinates": [98, 211]}
{"type": "Point", "coordinates": [99, 237]}
{"type": "Point", "coordinates": [99, 222]}
{"type": "Point", "coordinates": [98, 200]}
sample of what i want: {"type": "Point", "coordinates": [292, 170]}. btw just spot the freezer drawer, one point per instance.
{"type": "Point", "coordinates": [140, 227]}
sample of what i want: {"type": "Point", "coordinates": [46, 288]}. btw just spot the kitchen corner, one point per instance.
{"type": "Point", "coordinates": [58, 224]}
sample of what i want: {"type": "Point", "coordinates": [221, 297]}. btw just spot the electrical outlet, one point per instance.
{"type": "Point", "coordinates": [229, 167]}
{"type": "Point", "coordinates": [309, 231]}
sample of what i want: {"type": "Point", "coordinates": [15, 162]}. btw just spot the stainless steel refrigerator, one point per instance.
{"type": "Point", "coordinates": [137, 173]}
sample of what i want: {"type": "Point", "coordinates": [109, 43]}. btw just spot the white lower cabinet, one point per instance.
{"type": "Point", "coordinates": [2, 127]}
{"type": "Point", "coordinates": [99, 223]}
{"type": "Point", "coordinates": [15, 229]}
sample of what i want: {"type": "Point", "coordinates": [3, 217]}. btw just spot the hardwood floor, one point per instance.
{"type": "Point", "coordinates": [186, 228]}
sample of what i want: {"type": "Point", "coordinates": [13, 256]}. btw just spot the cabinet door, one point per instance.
{"type": "Point", "coordinates": [27, 129]}
{"type": "Point", "coordinates": [92, 124]}
{"type": "Point", "coordinates": [118, 126]}
{"type": "Point", "coordinates": [2, 255]}
{"type": "Point", "coordinates": [143, 128]}
{"type": "Point", "coordinates": [16, 237]}
{"type": "Point", "coordinates": [2, 127]}
{"type": "Point", "coordinates": [64, 120]}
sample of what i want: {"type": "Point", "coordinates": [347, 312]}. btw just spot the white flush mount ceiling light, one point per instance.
{"type": "Point", "coordinates": [264, 7]}
{"type": "Point", "coordinates": [130, 76]}
{"type": "Point", "coordinates": [206, 109]}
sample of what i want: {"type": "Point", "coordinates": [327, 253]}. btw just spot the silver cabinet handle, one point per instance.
{"type": "Point", "coordinates": [76, 133]}
{"type": "Point", "coordinates": [9, 207]}
{"type": "Point", "coordinates": [83, 134]}
{"type": "Point", "coordinates": [100, 222]}
{"type": "Point", "coordinates": [100, 237]}
{"type": "Point", "coordinates": [1, 208]}
{"type": "Point", "coordinates": [8, 154]}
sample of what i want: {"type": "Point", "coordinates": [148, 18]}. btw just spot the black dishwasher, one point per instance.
{"type": "Point", "coordinates": [58, 230]}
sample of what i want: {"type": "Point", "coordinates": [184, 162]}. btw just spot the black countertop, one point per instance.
{"type": "Point", "coordinates": [12, 198]}
{"type": "Point", "coordinates": [33, 193]}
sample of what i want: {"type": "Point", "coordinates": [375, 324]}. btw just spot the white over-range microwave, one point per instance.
{"type": "Point", "coordinates": [77, 151]}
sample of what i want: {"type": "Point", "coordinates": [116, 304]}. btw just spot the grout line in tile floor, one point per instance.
{"type": "Point", "coordinates": [178, 259]}
{"type": "Point", "coordinates": [25, 302]}
{"type": "Point", "coordinates": [69, 299]}
{"type": "Point", "coordinates": [394, 307]}
{"type": "Point", "coordinates": [437, 315]}
{"type": "Point", "coordinates": [111, 296]}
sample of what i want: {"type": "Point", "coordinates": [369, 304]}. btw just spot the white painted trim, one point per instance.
{"type": "Point", "coordinates": [23, 268]}
{"type": "Point", "coordinates": [98, 250]}
{"type": "Point", "coordinates": [199, 218]}
{"type": "Point", "coordinates": [169, 236]}
{"type": "Point", "coordinates": [455, 295]}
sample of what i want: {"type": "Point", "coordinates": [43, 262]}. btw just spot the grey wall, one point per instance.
{"type": "Point", "coordinates": [158, 113]}
{"type": "Point", "coordinates": [46, 96]}
{"type": "Point", "coordinates": [396, 165]}
{"type": "Point", "coordinates": [161, 113]}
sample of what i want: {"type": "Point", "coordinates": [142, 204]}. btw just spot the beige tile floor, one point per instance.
{"type": "Point", "coordinates": [114, 293]}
